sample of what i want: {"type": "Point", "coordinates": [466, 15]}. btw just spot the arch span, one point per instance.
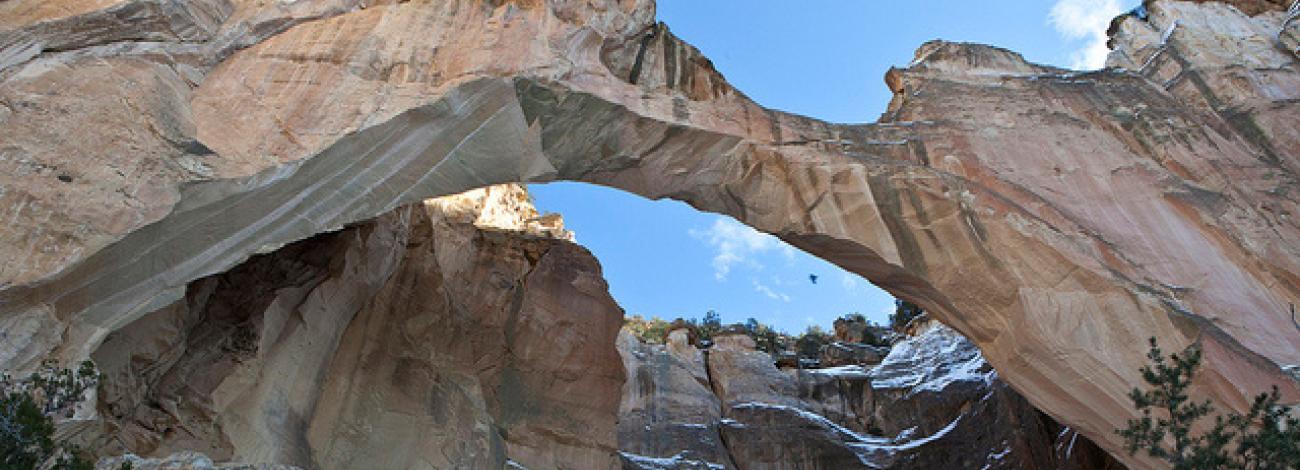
{"type": "Point", "coordinates": [1057, 219]}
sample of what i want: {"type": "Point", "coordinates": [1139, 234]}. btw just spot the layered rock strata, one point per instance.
{"type": "Point", "coordinates": [932, 403]}
{"type": "Point", "coordinates": [1056, 218]}
{"type": "Point", "coordinates": [457, 333]}
{"type": "Point", "coordinates": [1290, 34]}
{"type": "Point", "coordinates": [179, 461]}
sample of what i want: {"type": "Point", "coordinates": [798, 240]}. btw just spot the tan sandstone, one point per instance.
{"type": "Point", "coordinates": [1055, 218]}
{"type": "Point", "coordinates": [452, 334]}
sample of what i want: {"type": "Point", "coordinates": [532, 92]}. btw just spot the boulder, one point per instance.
{"type": "Point", "coordinates": [839, 354]}
{"type": "Point", "coordinates": [850, 330]}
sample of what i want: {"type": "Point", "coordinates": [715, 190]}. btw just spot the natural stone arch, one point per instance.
{"type": "Point", "coordinates": [927, 204]}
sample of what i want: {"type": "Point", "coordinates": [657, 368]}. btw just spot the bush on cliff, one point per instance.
{"type": "Point", "coordinates": [766, 338]}
{"type": "Point", "coordinates": [707, 328]}
{"type": "Point", "coordinates": [904, 312]}
{"type": "Point", "coordinates": [1265, 438]}
{"type": "Point", "coordinates": [807, 345]}
{"type": "Point", "coordinates": [811, 342]}
{"type": "Point", "coordinates": [650, 331]}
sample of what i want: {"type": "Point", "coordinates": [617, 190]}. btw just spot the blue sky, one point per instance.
{"type": "Point", "coordinates": [820, 58]}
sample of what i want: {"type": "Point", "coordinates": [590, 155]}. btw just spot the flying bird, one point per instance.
{"type": "Point", "coordinates": [813, 278]}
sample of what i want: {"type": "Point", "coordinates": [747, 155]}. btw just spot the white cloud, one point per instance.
{"type": "Point", "coordinates": [788, 252]}
{"type": "Point", "coordinates": [849, 282]}
{"type": "Point", "coordinates": [1085, 20]}
{"type": "Point", "coordinates": [735, 243]}
{"type": "Point", "coordinates": [771, 294]}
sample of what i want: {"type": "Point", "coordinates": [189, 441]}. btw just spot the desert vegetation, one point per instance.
{"type": "Point", "coordinates": [807, 346]}
{"type": "Point", "coordinates": [1172, 429]}
{"type": "Point", "coordinates": [28, 408]}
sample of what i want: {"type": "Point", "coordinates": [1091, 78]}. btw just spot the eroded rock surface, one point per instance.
{"type": "Point", "coordinates": [458, 333]}
{"type": "Point", "coordinates": [668, 408]}
{"type": "Point", "coordinates": [180, 461]}
{"type": "Point", "coordinates": [1290, 34]}
{"type": "Point", "coordinates": [1057, 219]}
{"type": "Point", "coordinates": [933, 403]}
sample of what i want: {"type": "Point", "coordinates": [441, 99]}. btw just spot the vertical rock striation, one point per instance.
{"type": "Point", "coordinates": [668, 408]}
{"type": "Point", "coordinates": [459, 333]}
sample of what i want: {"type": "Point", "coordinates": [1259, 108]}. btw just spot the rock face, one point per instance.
{"type": "Point", "coordinates": [842, 354]}
{"type": "Point", "coordinates": [849, 348]}
{"type": "Point", "coordinates": [668, 407]}
{"type": "Point", "coordinates": [458, 333]}
{"type": "Point", "coordinates": [1290, 34]}
{"type": "Point", "coordinates": [933, 403]}
{"type": "Point", "coordinates": [179, 461]}
{"type": "Point", "coordinates": [1057, 219]}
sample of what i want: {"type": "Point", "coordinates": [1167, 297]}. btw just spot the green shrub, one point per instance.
{"type": "Point", "coordinates": [25, 432]}
{"type": "Point", "coordinates": [904, 312]}
{"type": "Point", "coordinates": [26, 418]}
{"type": "Point", "coordinates": [707, 328]}
{"type": "Point", "coordinates": [766, 338]}
{"type": "Point", "coordinates": [810, 343]}
{"type": "Point", "coordinates": [650, 331]}
{"type": "Point", "coordinates": [1266, 438]}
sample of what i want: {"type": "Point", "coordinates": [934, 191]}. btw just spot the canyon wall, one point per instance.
{"type": "Point", "coordinates": [459, 333]}
{"type": "Point", "coordinates": [1055, 218]}
{"type": "Point", "coordinates": [932, 403]}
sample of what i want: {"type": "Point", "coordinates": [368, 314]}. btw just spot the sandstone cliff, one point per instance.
{"type": "Point", "coordinates": [1055, 218]}
{"type": "Point", "coordinates": [458, 333]}
{"type": "Point", "coordinates": [932, 403]}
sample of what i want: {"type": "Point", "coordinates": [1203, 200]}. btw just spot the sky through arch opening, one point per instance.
{"type": "Point", "coordinates": [666, 259]}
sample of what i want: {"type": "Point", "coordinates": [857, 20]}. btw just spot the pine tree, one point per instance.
{"type": "Point", "coordinates": [904, 312]}
{"type": "Point", "coordinates": [1270, 435]}
{"type": "Point", "coordinates": [26, 423]}
{"type": "Point", "coordinates": [1266, 438]}
{"type": "Point", "coordinates": [24, 432]}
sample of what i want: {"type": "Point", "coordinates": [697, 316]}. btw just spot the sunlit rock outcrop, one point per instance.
{"type": "Point", "coordinates": [1057, 219]}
